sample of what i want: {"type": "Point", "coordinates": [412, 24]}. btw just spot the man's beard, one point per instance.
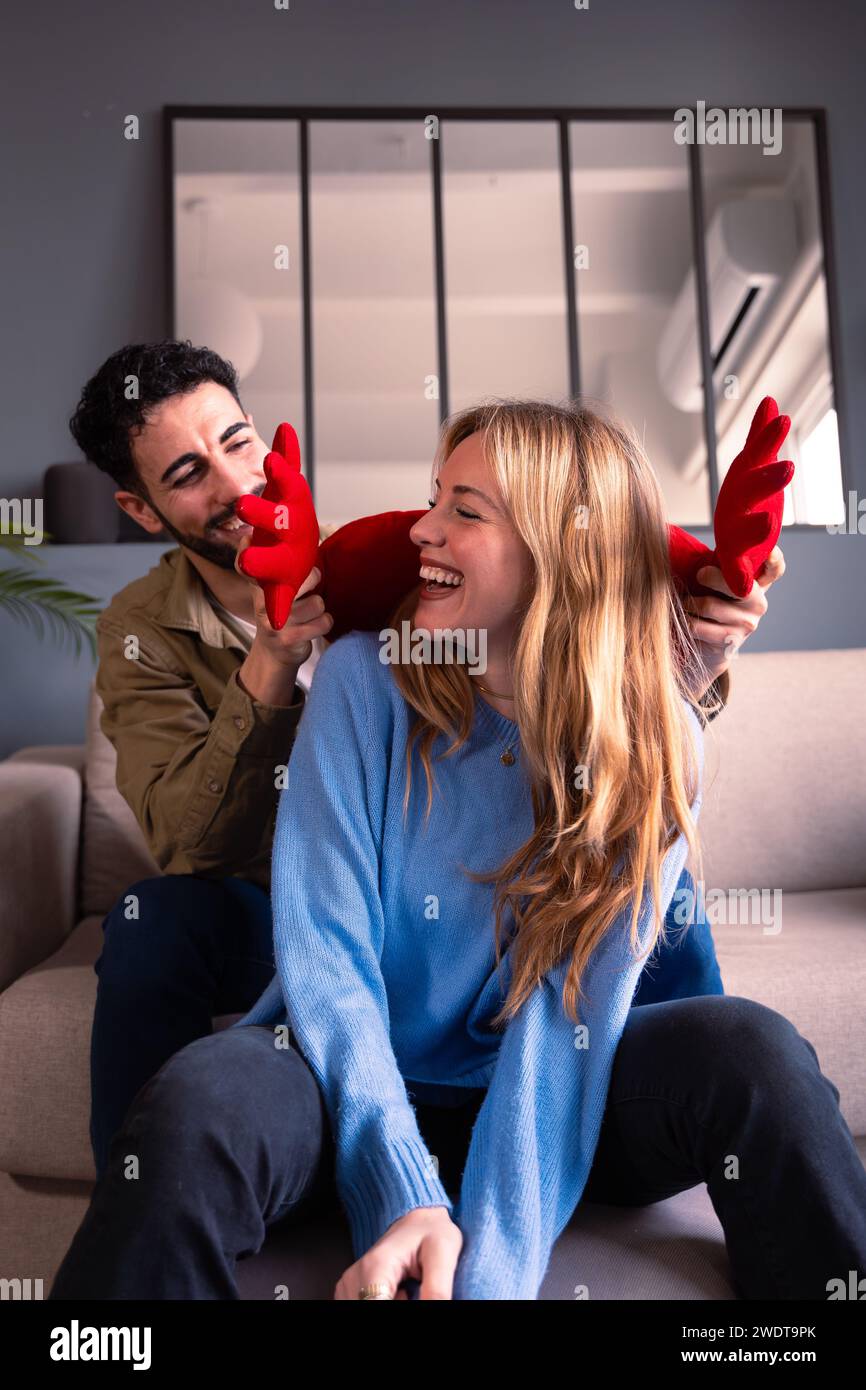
{"type": "Point", "coordinates": [219, 552]}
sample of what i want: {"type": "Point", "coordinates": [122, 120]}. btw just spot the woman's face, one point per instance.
{"type": "Point", "coordinates": [468, 531]}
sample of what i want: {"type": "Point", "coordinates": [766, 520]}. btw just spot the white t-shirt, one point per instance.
{"type": "Point", "coordinates": [247, 631]}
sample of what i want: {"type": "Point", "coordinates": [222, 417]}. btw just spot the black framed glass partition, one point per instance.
{"type": "Point", "coordinates": [370, 272]}
{"type": "Point", "coordinates": [373, 316]}
{"type": "Point", "coordinates": [635, 289]}
{"type": "Point", "coordinates": [236, 215]}
{"type": "Point", "coordinates": [505, 290]}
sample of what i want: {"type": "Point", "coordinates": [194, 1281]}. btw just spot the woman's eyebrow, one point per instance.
{"type": "Point", "coordinates": [464, 488]}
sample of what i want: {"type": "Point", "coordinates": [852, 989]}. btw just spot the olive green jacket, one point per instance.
{"type": "Point", "coordinates": [198, 759]}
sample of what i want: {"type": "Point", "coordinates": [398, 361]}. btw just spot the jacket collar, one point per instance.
{"type": "Point", "coordinates": [186, 605]}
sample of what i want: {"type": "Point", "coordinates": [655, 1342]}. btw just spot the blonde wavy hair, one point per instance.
{"type": "Point", "coordinates": [602, 657]}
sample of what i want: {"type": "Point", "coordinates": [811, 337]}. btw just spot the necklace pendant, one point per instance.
{"type": "Point", "coordinates": [507, 758]}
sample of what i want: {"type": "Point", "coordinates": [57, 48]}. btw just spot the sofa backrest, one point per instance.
{"type": "Point", "coordinates": [784, 799]}
{"type": "Point", "coordinates": [785, 784]}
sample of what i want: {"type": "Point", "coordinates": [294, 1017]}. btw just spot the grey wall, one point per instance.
{"type": "Point", "coordinates": [84, 261]}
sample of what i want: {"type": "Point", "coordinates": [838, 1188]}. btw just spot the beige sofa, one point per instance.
{"type": "Point", "coordinates": [785, 809]}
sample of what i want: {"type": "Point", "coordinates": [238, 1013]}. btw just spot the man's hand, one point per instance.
{"type": "Point", "coordinates": [424, 1244]}
{"type": "Point", "coordinates": [270, 670]}
{"type": "Point", "coordinates": [721, 622]}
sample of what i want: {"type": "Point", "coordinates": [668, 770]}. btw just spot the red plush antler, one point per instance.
{"type": "Point", "coordinates": [285, 539]}
{"type": "Point", "coordinates": [369, 565]}
{"type": "Point", "coordinates": [748, 516]}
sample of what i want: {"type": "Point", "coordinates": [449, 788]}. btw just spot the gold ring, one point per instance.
{"type": "Point", "coordinates": [379, 1291]}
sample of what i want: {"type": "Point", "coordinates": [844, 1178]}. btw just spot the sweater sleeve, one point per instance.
{"type": "Point", "coordinates": [536, 1133]}
{"type": "Point", "coordinates": [328, 940]}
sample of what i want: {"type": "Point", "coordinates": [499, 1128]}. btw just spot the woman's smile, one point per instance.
{"type": "Point", "coordinates": [441, 580]}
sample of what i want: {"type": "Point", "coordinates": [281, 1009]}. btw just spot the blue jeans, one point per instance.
{"type": "Point", "coordinates": [200, 947]}
{"type": "Point", "coordinates": [232, 1136]}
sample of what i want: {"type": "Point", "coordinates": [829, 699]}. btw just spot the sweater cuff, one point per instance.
{"type": "Point", "coordinates": [386, 1184]}
{"type": "Point", "coordinates": [265, 729]}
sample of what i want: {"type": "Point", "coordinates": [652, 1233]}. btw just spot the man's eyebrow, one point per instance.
{"type": "Point", "coordinates": [194, 458]}
{"type": "Point", "coordinates": [463, 488]}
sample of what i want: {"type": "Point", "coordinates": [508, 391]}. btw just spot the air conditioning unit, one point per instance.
{"type": "Point", "coordinates": [751, 247]}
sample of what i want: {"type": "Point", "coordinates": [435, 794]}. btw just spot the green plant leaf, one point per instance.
{"type": "Point", "coordinates": [35, 600]}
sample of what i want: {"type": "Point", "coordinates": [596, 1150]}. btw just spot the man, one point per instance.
{"type": "Point", "coordinates": [202, 700]}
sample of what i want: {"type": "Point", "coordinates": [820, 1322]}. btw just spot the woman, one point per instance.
{"type": "Point", "coordinates": [548, 536]}
{"type": "Point", "coordinates": [468, 878]}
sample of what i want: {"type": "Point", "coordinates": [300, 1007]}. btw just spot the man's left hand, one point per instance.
{"type": "Point", "coordinates": [720, 622]}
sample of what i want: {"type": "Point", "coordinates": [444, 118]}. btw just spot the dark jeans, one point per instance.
{"type": "Point", "coordinates": [200, 947]}
{"type": "Point", "coordinates": [197, 948]}
{"type": "Point", "coordinates": [232, 1136]}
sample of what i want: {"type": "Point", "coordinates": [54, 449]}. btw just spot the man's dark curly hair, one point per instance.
{"type": "Point", "coordinates": [105, 418]}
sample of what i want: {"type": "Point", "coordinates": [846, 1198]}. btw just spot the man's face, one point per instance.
{"type": "Point", "coordinates": [196, 455]}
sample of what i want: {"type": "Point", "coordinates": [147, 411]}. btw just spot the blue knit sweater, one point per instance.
{"type": "Point", "coordinates": [385, 957]}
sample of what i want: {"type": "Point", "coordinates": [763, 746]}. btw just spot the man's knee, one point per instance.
{"type": "Point", "coordinates": [216, 1097]}
{"type": "Point", "coordinates": [151, 898]}
{"type": "Point", "coordinates": [150, 913]}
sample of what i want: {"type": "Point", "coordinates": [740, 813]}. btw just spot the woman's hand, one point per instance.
{"type": "Point", "coordinates": [424, 1244]}
{"type": "Point", "coordinates": [722, 623]}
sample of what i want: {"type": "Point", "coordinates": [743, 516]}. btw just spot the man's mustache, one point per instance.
{"type": "Point", "coordinates": [256, 492]}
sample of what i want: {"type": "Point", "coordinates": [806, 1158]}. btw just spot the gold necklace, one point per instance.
{"type": "Point", "coordinates": [507, 757]}
{"type": "Point", "coordinates": [497, 693]}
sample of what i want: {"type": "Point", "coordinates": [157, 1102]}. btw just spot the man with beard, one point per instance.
{"type": "Point", "coordinates": [201, 702]}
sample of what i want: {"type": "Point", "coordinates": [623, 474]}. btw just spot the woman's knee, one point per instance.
{"type": "Point", "coordinates": [754, 1041]}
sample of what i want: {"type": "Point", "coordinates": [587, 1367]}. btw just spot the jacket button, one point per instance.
{"type": "Point", "coordinates": [240, 722]}
{"type": "Point", "coordinates": [215, 786]}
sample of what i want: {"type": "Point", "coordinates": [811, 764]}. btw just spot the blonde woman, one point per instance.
{"type": "Point", "coordinates": [469, 874]}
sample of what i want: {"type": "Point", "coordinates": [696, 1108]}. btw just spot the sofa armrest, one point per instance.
{"type": "Point", "coordinates": [41, 794]}
{"type": "Point", "coordinates": [54, 754]}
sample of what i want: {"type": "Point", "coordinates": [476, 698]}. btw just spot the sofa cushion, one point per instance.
{"type": "Point", "coordinates": [115, 852]}
{"type": "Point", "coordinates": [45, 1023]}
{"type": "Point", "coordinates": [812, 970]}
{"type": "Point", "coordinates": [45, 1020]}
{"type": "Point", "coordinates": [669, 1249]}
